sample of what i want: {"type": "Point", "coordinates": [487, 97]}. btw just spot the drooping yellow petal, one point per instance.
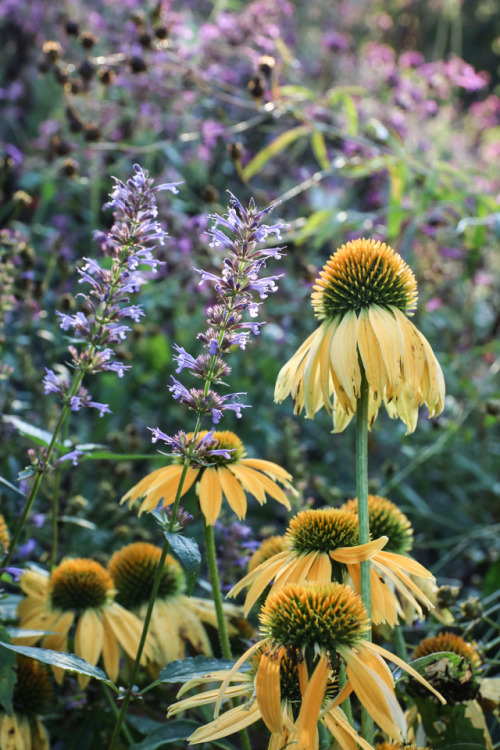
{"type": "Point", "coordinates": [89, 636]}
{"type": "Point", "coordinates": [206, 697]}
{"type": "Point", "coordinates": [243, 658]}
{"type": "Point", "coordinates": [193, 631]}
{"type": "Point", "coordinates": [391, 343]}
{"type": "Point", "coordinates": [373, 692]}
{"type": "Point", "coordinates": [267, 688]}
{"type": "Point", "coordinates": [404, 666]}
{"type": "Point", "coordinates": [297, 572]}
{"type": "Point", "coordinates": [57, 641]}
{"type": "Point", "coordinates": [307, 721]}
{"type": "Point", "coordinates": [249, 481]}
{"type": "Point", "coordinates": [151, 480]}
{"type": "Point", "coordinates": [344, 358]}
{"type": "Point", "coordinates": [384, 606]}
{"type": "Point", "coordinates": [110, 651]}
{"type": "Point", "coordinates": [127, 630]}
{"type": "Point", "coordinates": [321, 569]}
{"type": "Point", "coordinates": [316, 370]}
{"type": "Point", "coordinates": [210, 495]}
{"type": "Point", "coordinates": [360, 553]}
{"type": "Point", "coordinates": [371, 356]}
{"type": "Point", "coordinates": [346, 736]}
{"type": "Point", "coordinates": [230, 722]}
{"type": "Point", "coordinates": [268, 467]}
{"type": "Point", "coordinates": [233, 492]}
{"type": "Point", "coordinates": [167, 490]}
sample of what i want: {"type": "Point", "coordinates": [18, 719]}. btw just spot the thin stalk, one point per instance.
{"type": "Point", "coordinates": [399, 643]}
{"type": "Point", "coordinates": [216, 592]}
{"type": "Point", "coordinates": [109, 698]}
{"type": "Point", "coordinates": [346, 705]}
{"type": "Point", "coordinates": [367, 730]}
{"type": "Point", "coordinates": [156, 585]}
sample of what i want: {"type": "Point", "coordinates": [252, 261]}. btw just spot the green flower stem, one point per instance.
{"type": "Point", "coordinates": [346, 705]}
{"type": "Point", "coordinates": [111, 703]}
{"type": "Point", "coordinates": [38, 479]}
{"type": "Point", "coordinates": [367, 730]}
{"type": "Point", "coordinates": [399, 643]}
{"type": "Point", "coordinates": [156, 585]}
{"type": "Point", "coordinates": [216, 592]}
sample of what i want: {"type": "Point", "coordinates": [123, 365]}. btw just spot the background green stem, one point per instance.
{"type": "Point", "coordinates": [363, 518]}
{"type": "Point", "coordinates": [216, 592]}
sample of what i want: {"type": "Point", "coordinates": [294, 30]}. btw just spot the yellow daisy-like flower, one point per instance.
{"type": "Point", "coordinates": [451, 642]}
{"type": "Point", "coordinates": [271, 546]}
{"type": "Point", "coordinates": [79, 591]}
{"type": "Point", "coordinates": [457, 681]}
{"type": "Point", "coordinates": [230, 477]}
{"type": "Point", "coordinates": [176, 618]}
{"type": "Point", "coordinates": [321, 625]}
{"type": "Point", "coordinates": [291, 672]}
{"type": "Point", "coordinates": [363, 297]}
{"type": "Point", "coordinates": [323, 546]}
{"type": "Point", "coordinates": [32, 694]}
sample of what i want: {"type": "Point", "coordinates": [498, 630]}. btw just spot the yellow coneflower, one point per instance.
{"type": "Point", "coordinates": [459, 681]}
{"type": "Point", "coordinates": [231, 477]}
{"type": "Point", "coordinates": [386, 520]}
{"type": "Point", "coordinates": [322, 625]}
{"type": "Point", "coordinates": [398, 746]}
{"type": "Point", "coordinates": [284, 734]}
{"type": "Point", "coordinates": [79, 591]}
{"type": "Point", "coordinates": [32, 694]}
{"type": "Point", "coordinates": [4, 536]}
{"type": "Point", "coordinates": [363, 297]}
{"type": "Point", "coordinates": [451, 642]}
{"type": "Point", "coordinates": [176, 618]}
{"type": "Point", "coordinates": [323, 546]}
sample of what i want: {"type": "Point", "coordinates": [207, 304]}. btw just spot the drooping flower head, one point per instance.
{"type": "Point", "coordinates": [363, 297]}
{"type": "Point", "coordinates": [32, 696]}
{"type": "Point", "coordinates": [224, 472]}
{"type": "Point", "coordinates": [320, 626]}
{"type": "Point", "coordinates": [323, 547]}
{"type": "Point", "coordinates": [175, 618]}
{"type": "Point", "coordinates": [386, 520]}
{"type": "Point", "coordinates": [458, 682]}
{"type": "Point", "coordinates": [80, 592]}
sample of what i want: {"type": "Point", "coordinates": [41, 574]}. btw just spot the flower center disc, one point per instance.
{"type": "Point", "coordinates": [323, 530]}
{"type": "Point", "coordinates": [386, 520]}
{"type": "Point", "coordinates": [133, 570]}
{"type": "Point", "coordinates": [304, 616]}
{"type": "Point", "coordinates": [363, 273]}
{"type": "Point", "coordinates": [79, 584]}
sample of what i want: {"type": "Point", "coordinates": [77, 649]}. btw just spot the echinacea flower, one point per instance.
{"type": "Point", "coordinates": [282, 725]}
{"type": "Point", "coordinates": [271, 546]}
{"type": "Point", "coordinates": [79, 591]}
{"type": "Point", "coordinates": [23, 730]}
{"type": "Point", "coordinates": [322, 625]}
{"type": "Point", "coordinates": [386, 520]}
{"type": "Point", "coordinates": [363, 297]}
{"type": "Point", "coordinates": [229, 473]}
{"type": "Point", "coordinates": [323, 546]}
{"type": "Point", "coordinates": [458, 682]}
{"type": "Point", "coordinates": [175, 618]}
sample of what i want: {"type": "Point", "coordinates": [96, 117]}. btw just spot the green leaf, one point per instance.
{"type": "Point", "coordinates": [275, 147]}
{"type": "Point", "coordinates": [194, 667]}
{"type": "Point", "coordinates": [7, 674]}
{"type": "Point", "coordinates": [187, 552]}
{"type": "Point", "coordinates": [38, 436]}
{"type": "Point", "coordinates": [27, 633]}
{"type": "Point", "coordinates": [173, 731]}
{"type": "Point", "coordinates": [318, 146]}
{"type": "Point", "coordinates": [11, 486]}
{"type": "Point", "coordinates": [69, 662]}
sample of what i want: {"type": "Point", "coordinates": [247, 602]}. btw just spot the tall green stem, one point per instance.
{"type": "Point", "coordinates": [216, 592]}
{"type": "Point", "coordinates": [363, 518]}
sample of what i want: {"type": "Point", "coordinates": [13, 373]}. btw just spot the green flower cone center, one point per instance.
{"type": "Point", "coordinates": [314, 615]}
{"type": "Point", "coordinates": [79, 584]}
{"type": "Point", "coordinates": [322, 530]}
{"type": "Point", "coordinates": [363, 273]}
{"type": "Point", "coordinates": [133, 570]}
{"type": "Point", "coordinates": [33, 690]}
{"type": "Point", "coordinates": [386, 520]}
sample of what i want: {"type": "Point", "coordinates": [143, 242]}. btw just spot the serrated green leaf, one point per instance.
{"type": "Point", "coordinates": [194, 667]}
{"type": "Point", "coordinates": [69, 662]}
{"type": "Point", "coordinates": [7, 674]}
{"type": "Point", "coordinates": [187, 552]}
{"type": "Point", "coordinates": [275, 147]}
{"type": "Point", "coordinates": [173, 731]}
